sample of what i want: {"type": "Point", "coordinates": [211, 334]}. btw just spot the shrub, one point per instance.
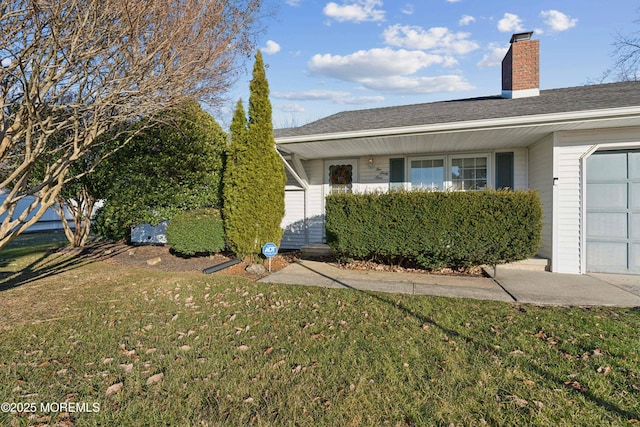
{"type": "Point", "coordinates": [435, 229]}
{"type": "Point", "coordinates": [196, 231]}
{"type": "Point", "coordinates": [172, 166]}
{"type": "Point", "coordinates": [113, 222]}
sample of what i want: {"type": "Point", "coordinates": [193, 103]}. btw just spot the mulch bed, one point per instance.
{"type": "Point", "coordinates": [161, 258]}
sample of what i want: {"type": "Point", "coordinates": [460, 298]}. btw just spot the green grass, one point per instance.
{"type": "Point", "coordinates": [234, 352]}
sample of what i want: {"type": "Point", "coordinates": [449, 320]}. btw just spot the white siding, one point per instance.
{"type": "Point", "coordinates": [293, 223]}
{"type": "Point", "coordinates": [315, 199]}
{"type": "Point", "coordinates": [375, 178]}
{"type": "Point", "coordinates": [520, 168]}
{"type": "Point", "coordinates": [540, 168]}
{"type": "Point", "coordinates": [567, 207]}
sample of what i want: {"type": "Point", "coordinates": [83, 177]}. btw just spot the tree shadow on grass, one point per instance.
{"type": "Point", "coordinates": [488, 348]}
{"type": "Point", "coordinates": [56, 261]}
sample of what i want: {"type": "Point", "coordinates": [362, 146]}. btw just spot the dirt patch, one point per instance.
{"type": "Point", "coordinates": [161, 258]}
{"type": "Point", "coordinates": [374, 266]}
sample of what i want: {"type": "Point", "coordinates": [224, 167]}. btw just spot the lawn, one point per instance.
{"type": "Point", "coordinates": [132, 346]}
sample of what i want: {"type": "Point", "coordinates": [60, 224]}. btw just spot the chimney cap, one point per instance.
{"type": "Point", "coordinates": [521, 37]}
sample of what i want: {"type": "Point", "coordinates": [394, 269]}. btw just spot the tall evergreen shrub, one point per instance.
{"type": "Point", "coordinates": [254, 179]}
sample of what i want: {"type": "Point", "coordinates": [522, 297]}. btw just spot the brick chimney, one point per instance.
{"type": "Point", "coordinates": [521, 67]}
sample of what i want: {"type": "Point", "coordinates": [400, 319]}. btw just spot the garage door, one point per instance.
{"type": "Point", "coordinates": [613, 212]}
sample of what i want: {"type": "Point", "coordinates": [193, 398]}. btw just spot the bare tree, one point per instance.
{"type": "Point", "coordinates": [626, 58]}
{"type": "Point", "coordinates": [80, 67]}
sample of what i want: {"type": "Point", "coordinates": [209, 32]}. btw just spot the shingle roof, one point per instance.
{"type": "Point", "coordinates": [580, 98]}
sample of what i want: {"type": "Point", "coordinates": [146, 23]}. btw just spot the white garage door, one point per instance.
{"type": "Point", "coordinates": [613, 212]}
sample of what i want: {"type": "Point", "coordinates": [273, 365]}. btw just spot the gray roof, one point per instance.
{"type": "Point", "coordinates": [580, 98]}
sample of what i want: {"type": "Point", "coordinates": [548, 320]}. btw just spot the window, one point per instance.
{"type": "Point", "coordinates": [427, 173]}
{"type": "Point", "coordinates": [469, 172]}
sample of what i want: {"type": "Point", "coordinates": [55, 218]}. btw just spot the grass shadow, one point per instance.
{"type": "Point", "coordinates": [54, 261]}
{"type": "Point", "coordinates": [483, 346]}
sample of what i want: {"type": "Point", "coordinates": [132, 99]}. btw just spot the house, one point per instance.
{"type": "Point", "coordinates": [579, 147]}
{"type": "Point", "coordinates": [50, 221]}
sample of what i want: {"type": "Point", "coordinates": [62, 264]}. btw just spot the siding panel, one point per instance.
{"type": "Point", "coordinates": [540, 172]}
{"type": "Point", "coordinates": [315, 199]}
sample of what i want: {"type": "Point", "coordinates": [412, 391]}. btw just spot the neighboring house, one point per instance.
{"type": "Point", "coordinates": [579, 147]}
{"type": "Point", "coordinates": [50, 221]}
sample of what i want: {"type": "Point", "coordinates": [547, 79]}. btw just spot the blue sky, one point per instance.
{"type": "Point", "coordinates": [324, 56]}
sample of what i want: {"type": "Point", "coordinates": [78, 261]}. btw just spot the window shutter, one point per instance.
{"type": "Point", "coordinates": [396, 172]}
{"type": "Point", "coordinates": [504, 170]}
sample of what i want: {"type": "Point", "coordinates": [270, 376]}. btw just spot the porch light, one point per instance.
{"type": "Point", "coordinates": [371, 163]}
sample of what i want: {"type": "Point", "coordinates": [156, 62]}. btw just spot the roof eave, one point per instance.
{"type": "Point", "coordinates": [470, 125]}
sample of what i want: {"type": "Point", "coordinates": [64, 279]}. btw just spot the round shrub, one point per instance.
{"type": "Point", "coordinates": [196, 231]}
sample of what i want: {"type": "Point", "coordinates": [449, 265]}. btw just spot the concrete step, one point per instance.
{"type": "Point", "coordinates": [315, 251]}
{"type": "Point", "coordinates": [535, 264]}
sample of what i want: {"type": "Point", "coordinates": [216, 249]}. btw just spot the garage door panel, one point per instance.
{"type": "Point", "coordinates": [634, 165]}
{"type": "Point", "coordinates": [634, 202]}
{"type": "Point", "coordinates": [608, 167]}
{"type": "Point", "coordinates": [607, 225]}
{"type": "Point", "coordinates": [607, 196]}
{"type": "Point", "coordinates": [635, 257]}
{"type": "Point", "coordinates": [607, 255]}
{"type": "Point", "coordinates": [634, 227]}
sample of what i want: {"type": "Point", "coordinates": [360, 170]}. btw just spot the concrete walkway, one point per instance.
{"type": "Point", "coordinates": [510, 284]}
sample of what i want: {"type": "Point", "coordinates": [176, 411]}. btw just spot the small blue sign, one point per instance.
{"type": "Point", "coordinates": [269, 250]}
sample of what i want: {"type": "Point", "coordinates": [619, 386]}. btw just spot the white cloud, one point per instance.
{"type": "Point", "coordinates": [359, 100]}
{"type": "Point", "coordinates": [291, 108]}
{"type": "Point", "coordinates": [310, 95]}
{"type": "Point", "coordinates": [418, 85]}
{"type": "Point", "coordinates": [271, 48]}
{"type": "Point", "coordinates": [336, 97]}
{"type": "Point", "coordinates": [510, 23]}
{"type": "Point", "coordinates": [294, 3]}
{"type": "Point", "coordinates": [440, 39]}
{"type": "Point", "coordinates": [374, 63]}
{"type": "Point", "coordinates": [557, 20]}
{"type": "Point", "coordinates": [466, 20]}
{"type": "Point", "coordinates": [355, 11]}
{"type": "Point", "coordinates": [453, 1]}
{"type": "Point", "coordinates": [494, 55]}
{"type": "Point", "coordinates": [6, 62]}
{"type": "Point", "coordinates": [407, 9]}
{"type": "Point", "coordinates": [387, 70]}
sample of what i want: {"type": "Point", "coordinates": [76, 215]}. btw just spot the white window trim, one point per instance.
{"type": "Point", "coordinates": [487, 156]}
{"type": "Point", "coordinates": [445, 183]}
{"type": "Point", "coordinates": [448, 166]}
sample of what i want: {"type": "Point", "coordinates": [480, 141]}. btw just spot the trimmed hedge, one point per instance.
{"type": "Point", "coordinates": [435, 229]}
{"type": "Point", "coordinates": [196, 231]}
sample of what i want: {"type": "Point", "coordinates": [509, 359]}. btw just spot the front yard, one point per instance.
{"type": "Point", "coordinates": [134, 346]}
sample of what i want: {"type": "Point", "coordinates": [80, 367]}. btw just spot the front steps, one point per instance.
{"type": "Point", "coordinates": [316, 251]}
